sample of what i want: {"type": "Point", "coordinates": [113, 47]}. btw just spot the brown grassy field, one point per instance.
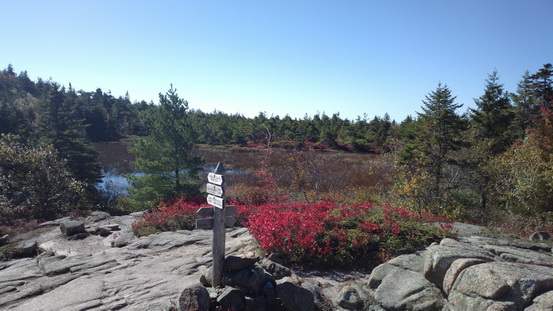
{"type": "Point", "coordinates": [309, 175]}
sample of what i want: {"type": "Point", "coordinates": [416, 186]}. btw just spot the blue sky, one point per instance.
{"type": "Point", "coordinates": [280, 57]}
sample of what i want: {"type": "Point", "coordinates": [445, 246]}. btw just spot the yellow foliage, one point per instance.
{"type": "Point", "coordinates": [523, 178]}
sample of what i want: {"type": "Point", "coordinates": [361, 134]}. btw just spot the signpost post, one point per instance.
{"type": "Point", "coordinates": [222, 217]}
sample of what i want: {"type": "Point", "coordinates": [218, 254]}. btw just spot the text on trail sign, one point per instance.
{"type": "Point", "coordinates": [215, 178]}
{"type": "Point", "coordinates": [215, 190]}
{"type": "Point", "coordinates": [215, 201]}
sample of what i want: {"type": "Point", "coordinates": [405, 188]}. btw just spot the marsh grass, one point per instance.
{"type": "Point", "coordinates": [308, 175]}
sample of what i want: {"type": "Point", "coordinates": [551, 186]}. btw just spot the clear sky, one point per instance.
{"type": "Point", "coordinates": [280, 57]}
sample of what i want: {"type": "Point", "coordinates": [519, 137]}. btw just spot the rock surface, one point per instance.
{"type": "Point", "coordinates": [147, 274]}
{"type": "Point", "coordinates": [119, 271]}
{"type": "Point", "coordinates": [476, 274]}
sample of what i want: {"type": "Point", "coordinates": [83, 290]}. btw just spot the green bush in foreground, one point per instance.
{"type": "Point", "coordinates": [35, 183]}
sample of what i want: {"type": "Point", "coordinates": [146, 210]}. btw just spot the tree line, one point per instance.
{"type": "Point", "coordinates": [100, 116]}
{"type": "Point", "coordinates": [447, 160]}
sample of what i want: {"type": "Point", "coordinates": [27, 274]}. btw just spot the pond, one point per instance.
{"type": "Point", "coordinates": [116, 162]}
{"type": "Point", "coordinates": [320, 171]}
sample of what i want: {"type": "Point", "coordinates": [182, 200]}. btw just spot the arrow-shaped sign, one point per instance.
{"type": "Point", "coordinates": [215, 190]}
{"type": "Point", "coordinates": [215, 178]}
{"type": "Point", "coordinates": [215, 201]}
{"type": "Point", "coordinates": [207, 223]}
{"type": "Point", "coordinates": [207, 211]}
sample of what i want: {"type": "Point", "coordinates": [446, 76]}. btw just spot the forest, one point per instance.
{"type": "Point", "coordinates": [470, 165]}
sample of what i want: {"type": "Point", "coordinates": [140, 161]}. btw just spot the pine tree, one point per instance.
{"type": "Point", "coordinates": [164, 156]}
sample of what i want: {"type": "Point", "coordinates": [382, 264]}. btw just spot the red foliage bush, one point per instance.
{"type": "Point", "coordinates": [323, 234]}
{"type": "Point", "coordinates": [175, 214]}
{"type": "Point", "coordinates": [326, 234]}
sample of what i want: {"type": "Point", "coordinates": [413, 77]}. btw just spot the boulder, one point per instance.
{"type": "Point", "coordinates": [463, 229]}
{"type": "Point", "coordinates": [206, 278]}
{"type": "Point", "coordinates": [514, 254]}
{"type": "Point", "coordinates": [396, 288]}
{"type": "Point", "coordinates": [231, 299]}
{"type": "Point", "coordinates": [4, 239]}
{"type": "Point", "coordinates": [72, 227]}
{"type": "Point", "coordinates": [123, 240]}
{"type": "Point", "coordinates": [352, 298]}
{"type": "Point", "coordinates": [251, 279]}
{"type": "Point", "coordinates": [25, 249]}
{"type": "Point", "coordinates": [460, 301]}
{"type": "Point", "coordinates": [277, 270]}
{"type": "Point", "coordinates": [97, 216]}
{"type": "Point", "coordinates": [56, 222]}
{"type": "Point", "coordinates": [269, 290]}
{"type": "Point", "coordinates": [542, 302]}
{"type": "Point", "coordinates": [482, 241]}
{"type": "Point", "coordinates": [254, 303]}
{"type": "Point", "coordinates": [438, 259]}
{"type": "Point", "coordinates": [411, 262]}
{"type": "Point", "coordinates": [541, 235]}
{"type": "Point", "coordinates": [235, 263]}
{"type": "Point", "coordinates": [315, 287]}
{"type": "Point", "coordinates": [455, 269]}
{"type": "Point", "coordinates": [194, 298]}
{"type": "Point", "coordinates": [513, 283]}
{"type": "Point", "coordinates": [104, 230]}
{"type": "Point", "coordinates": [295, 297]}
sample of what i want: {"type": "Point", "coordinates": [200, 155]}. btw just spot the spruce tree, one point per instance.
{"type": "Point", "coordinates": [60, 125]}
{"type": "Point", "coordinates": [493, 118]}
{"type": "Point", "coordinates": [441, 133]}
{"type": "Point", "coordinates": [525, 107]}
{"type": "Point", "coordinates": [165, 156]}
{"type": "Point", "coordinates": [492, 133]}
{"type": "Point", "coordinates": [543, 85]}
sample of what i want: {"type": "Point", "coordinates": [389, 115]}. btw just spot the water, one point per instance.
{"type": "Point", "coordinates": [112, 183]}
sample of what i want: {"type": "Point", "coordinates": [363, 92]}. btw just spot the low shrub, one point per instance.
{"type": "Point", "coordinates": [176, 214]}
{"type": "Point", "coordinates": [520, 225]}
{"type": "Point", "coordinates": [329, 235]}
{"type": "Point", "coordinates": [323, 234]}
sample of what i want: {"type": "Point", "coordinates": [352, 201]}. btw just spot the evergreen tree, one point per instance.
{"type": "Point", "coordinates": [60, 126]}
{"type": "Point", "coordinates": [533, 92]}
{"type": "Point", "coordinates": [440, 135]}
{"type": "Point", "coordinates": [543, 85]}
{"type": "Point", "coordinates": [492, 132]}
{"type": "Point", "coordinates": [164, 156]}
{"type": "Point", "coordinates": [493, 118]}
{"type": "Point", "coordinates": [525, 107]}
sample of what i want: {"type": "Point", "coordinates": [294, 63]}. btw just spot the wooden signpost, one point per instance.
{"type": "Point", "coordinates": [222, 217]}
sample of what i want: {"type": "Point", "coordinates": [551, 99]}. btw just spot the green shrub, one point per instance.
{"type": "Point", "coordinates": [36, 183]}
